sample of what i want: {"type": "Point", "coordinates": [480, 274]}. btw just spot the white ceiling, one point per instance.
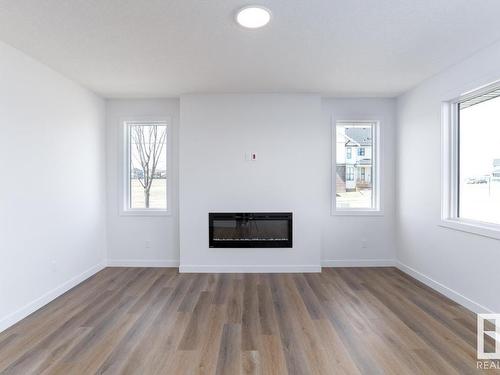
{"type": "Point", "coordinates": [149, 48]}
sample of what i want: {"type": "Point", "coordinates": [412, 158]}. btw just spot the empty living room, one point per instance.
{"type": "Point", "coordinates": [234, 187]}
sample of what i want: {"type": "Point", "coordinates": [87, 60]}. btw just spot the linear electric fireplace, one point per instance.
{"type": "Point", "coordinates": [257, 229]}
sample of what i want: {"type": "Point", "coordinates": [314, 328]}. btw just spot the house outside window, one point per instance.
{"type": "Point", "coordinates": [356, 167]}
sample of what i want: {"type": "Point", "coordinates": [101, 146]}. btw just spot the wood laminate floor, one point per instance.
{"type": "Point", "coordinates": [157, 321]}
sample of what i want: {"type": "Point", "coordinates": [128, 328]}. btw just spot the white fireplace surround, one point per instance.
{"type": "Point", "coordinates": [288, 176]}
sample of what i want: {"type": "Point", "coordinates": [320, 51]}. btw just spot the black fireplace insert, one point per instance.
{"type": "Point", "coordinates": [245, 229]}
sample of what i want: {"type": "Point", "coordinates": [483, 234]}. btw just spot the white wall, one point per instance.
{"type": "Point", "coordinates": [52, 201]}
{"type": "Point", "coordinates": [462, 265]}
{"type": "Point", "coordinates": [127, 235]}
{"type": "Point", "coordinates": [291, 174]}
{"type": "Point", "coordinates": [343, 236]}
{"type": "Point", "coordinates": [280, 128]}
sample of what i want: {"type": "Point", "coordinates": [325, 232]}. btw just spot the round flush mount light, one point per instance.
{"type": "Point", "coordinates": [253, 16]}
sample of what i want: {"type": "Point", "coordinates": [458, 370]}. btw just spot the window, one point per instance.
{"type": "Point", "coordinates": [471, 193]}
{"type": "Point", "coordinates": [349, 174]}
{"type": "Point", "coordinates": [348, 154]}
{"type": "Point", "coordinates": [355, 178]}
{"type": "Point", "coordinates": [145, 167]}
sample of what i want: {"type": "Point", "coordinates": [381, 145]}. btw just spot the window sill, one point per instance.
{"type": "Point", "coordinates": [478, 228]}
{"type": "Point", "coordinates": [354, 212]}
{"type": "Point", "coordinates": [145, 213]}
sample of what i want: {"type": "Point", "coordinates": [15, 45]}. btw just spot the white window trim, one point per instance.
{"type": "Point", "coordinates": [449, 169]}
{"type": "Point", "coordinates": [376, 173]}
{"type": "Point", "coordinates": [124, 166]}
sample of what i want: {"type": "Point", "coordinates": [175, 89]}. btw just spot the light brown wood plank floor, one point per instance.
{"type": "Point", "coordinates": [157, 321]}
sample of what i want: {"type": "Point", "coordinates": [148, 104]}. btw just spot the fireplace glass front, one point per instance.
{"type": "Point", "coordinates": [263, 229]}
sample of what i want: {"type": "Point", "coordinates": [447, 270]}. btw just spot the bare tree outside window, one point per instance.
{"type": "Point", "coordinates": [147, 148]}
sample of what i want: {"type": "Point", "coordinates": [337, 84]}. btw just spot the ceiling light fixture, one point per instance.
{"type": "Point", "coordinates": [253, 16]}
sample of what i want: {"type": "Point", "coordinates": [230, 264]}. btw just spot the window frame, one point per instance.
{"type": "Point", "coordinates": [450, 163]}
{"type": "Point", "coordinates": [376, 175]}
{"type": "Point", "coordinates": [124, 196]}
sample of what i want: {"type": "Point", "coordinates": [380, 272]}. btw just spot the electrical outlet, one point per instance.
{"type": "Point", "coordinates": [53, 266]}
{"type": "Point", "coordinates": [364, 244]}
{"type": "Point", "coordinates": [147, 245]}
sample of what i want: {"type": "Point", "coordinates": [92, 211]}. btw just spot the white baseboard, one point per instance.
{"type": "Point", "coordinates": [193, 268]}
{"type": "Point", "coordinates": [359, 263]}
{"type": "Point", "coordinates": [443, 289]}
{"type": "Point", "coordinates": [31, 307]}
{"type": "Point", "coordinates": [142, 263]}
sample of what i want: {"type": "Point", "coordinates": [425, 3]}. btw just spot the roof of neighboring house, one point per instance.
{"type": "Point", "coordinates": [359, 136]}
{"type": "Point", "coordinates": [339, 179]}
